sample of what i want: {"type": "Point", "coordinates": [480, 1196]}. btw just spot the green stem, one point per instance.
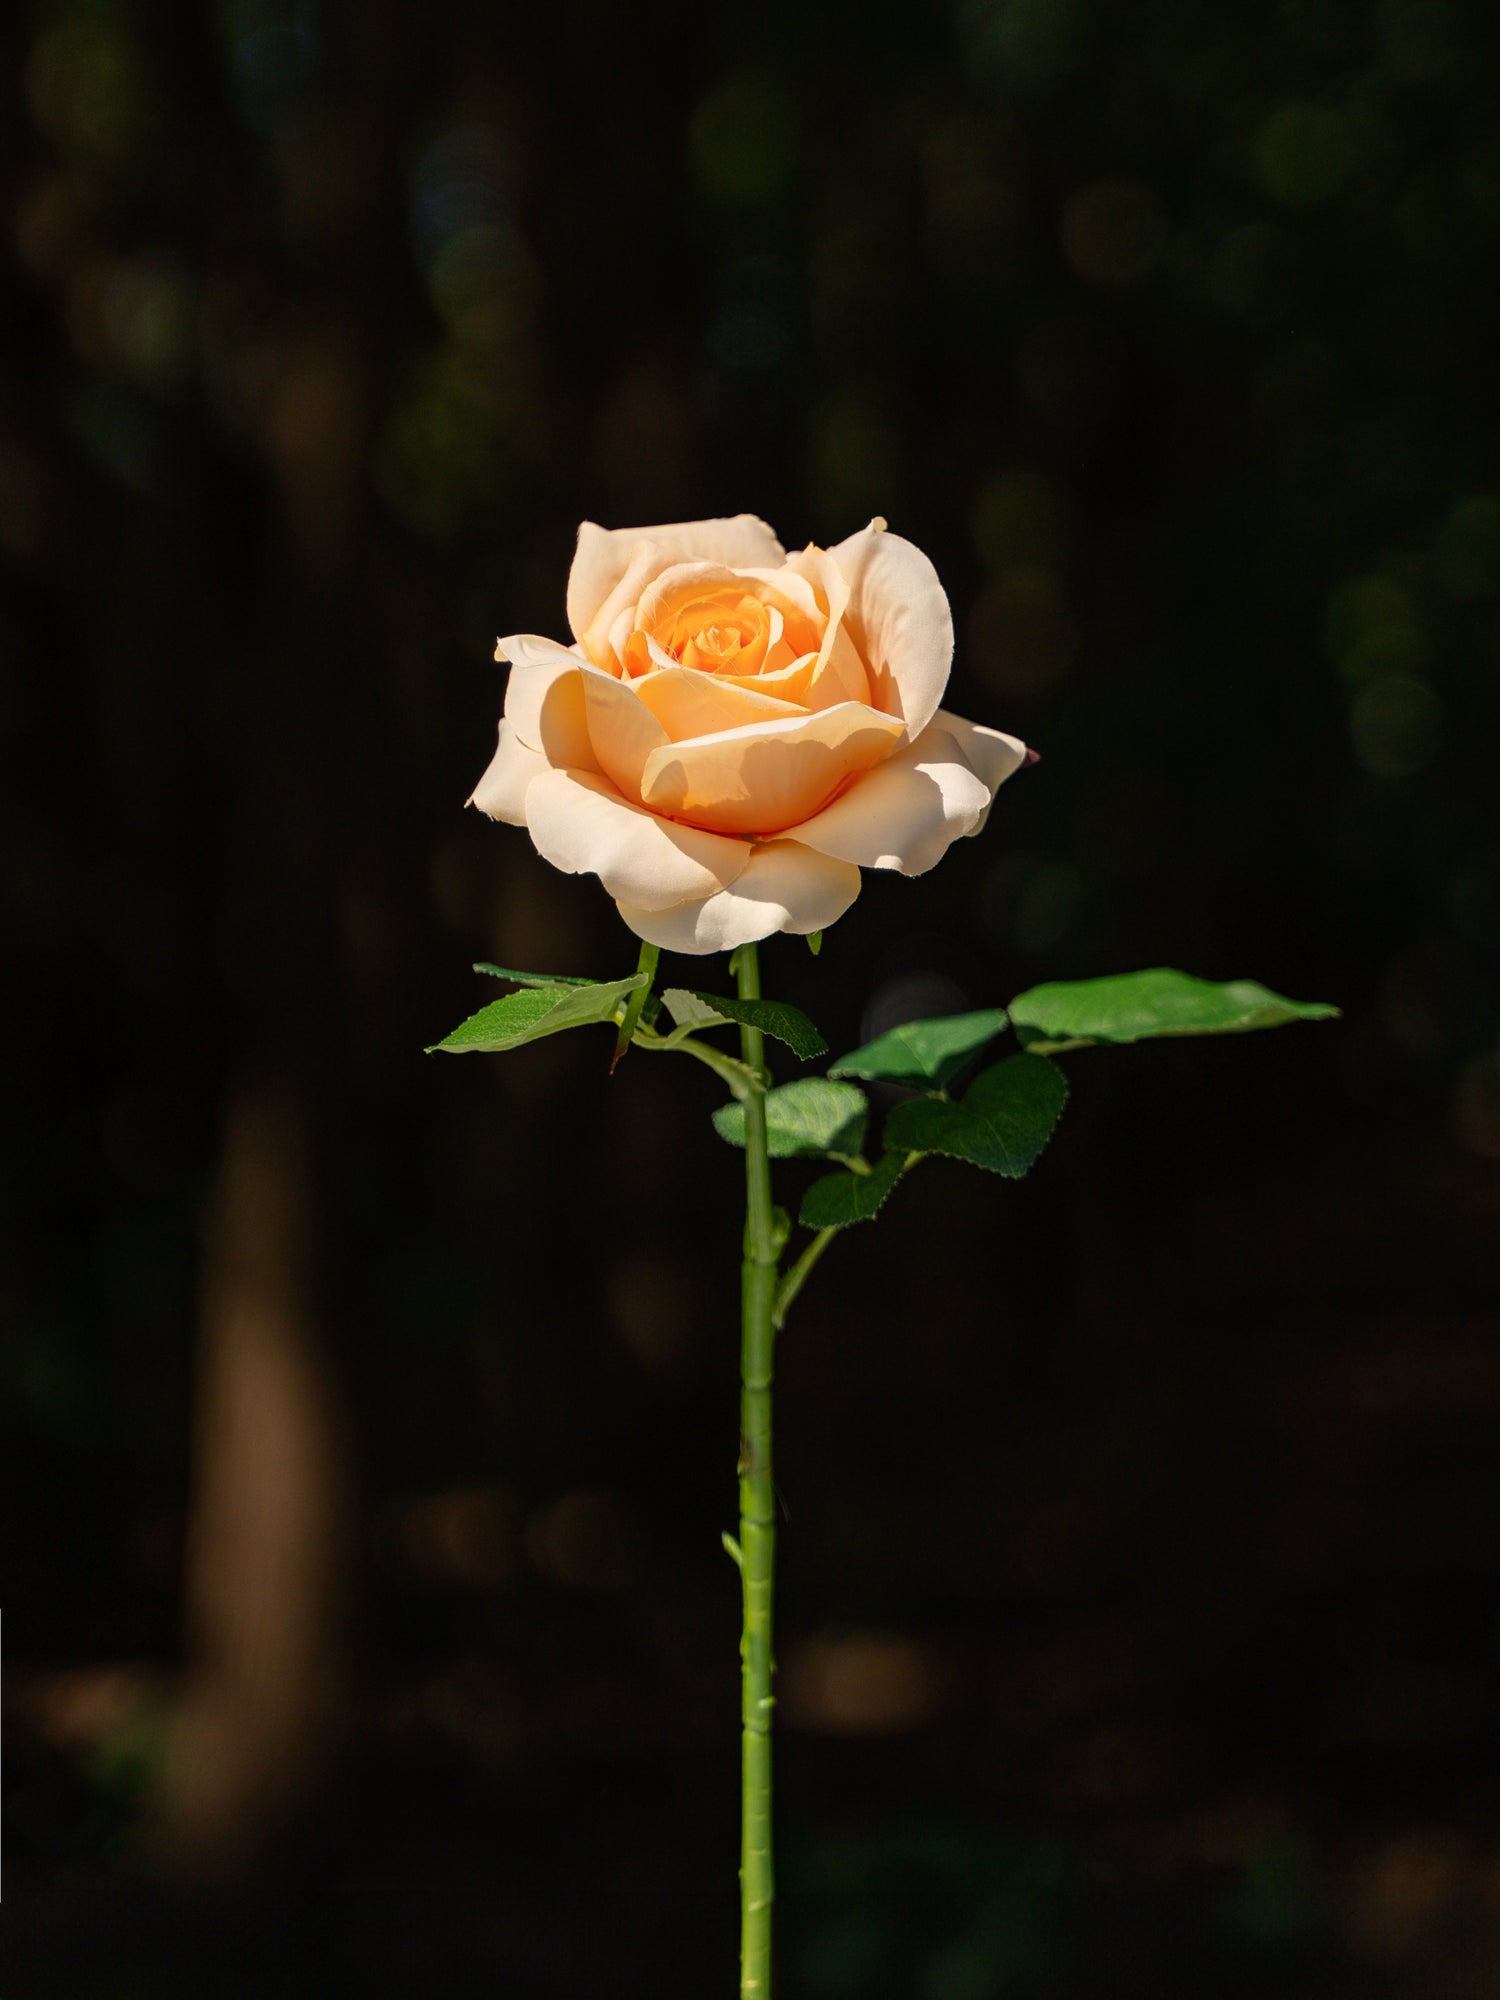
{"type": "Point", "coordinates": [798, 1275]}
{"type": "Point", "coordinates": [757, 1539]}
{"type": "Point", "coordinates": [646, 963]}
{"type": "Point", "coordinates": [729, 1068]}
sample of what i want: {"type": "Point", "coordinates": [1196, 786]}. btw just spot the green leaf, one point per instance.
{"type": "Point", "coordinates": [689, 1010]}
{"type": "Point", "coordinates": [924, 1053]}
{"type": "Point", "coordinates": [803, 1119]}
{"type": "Point", "coordinates": [1134, 1006]}
{"type": "Point", "coordinates": [532, 978]}
{"type": "Point", "coordinates": [1001, 1122]}
{"type": "Point", "coordinates": [814, 942]}
{"type": "Point", "coordinates": [527, 1016]}
{"type": "Point", "coordinates": [772, 1017]}
{"type": "Point", "coordinates": [839, 1199]}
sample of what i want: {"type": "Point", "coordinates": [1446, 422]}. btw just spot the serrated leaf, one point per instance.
{"type": "Point", "coordinates": [837, 1200]}
{"type": "Point", "coordinates": [1136, 1006]}
{"type": "Point", "coordinates": [532, 978]}
{"type": "Point", "coordinates": [772, 1017]}
{"type": "Point", "coordinates": [528, 1015]}
{"type": "Point", "coordinates": [1001, 1122]}
{"type": "Point", "coordinates": [688, 1010]}
{"type": "Point", "coordinates": [803, 1119]}
{"type": "Point", "coordinates": [924, 1053]}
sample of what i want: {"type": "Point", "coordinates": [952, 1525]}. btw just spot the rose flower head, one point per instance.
{"type": "Point", "coordinates": [735, 732]}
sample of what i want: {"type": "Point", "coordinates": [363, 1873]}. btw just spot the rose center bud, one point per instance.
{"type": "Point", "coordinates": [721, 639]}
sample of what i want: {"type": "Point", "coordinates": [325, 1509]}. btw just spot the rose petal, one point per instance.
{"type": "Point", "coordinates": [769, 776]}
{"type": "Point", "coordinates": [604, 636]}
{"type": "Point", "coordinates": [622, 730]}
{"type": "Point", "coordinates": [581, 825]}
{"type": "Point", "coordinates": [839, 674]}
{"type": "Point", "coordinates": [688, 703]}
{"type": "Point", "coordinates": [907, 813]}
{"type": "Point", "coordinates": [899, 618]}
{"type": "Point", "coordinates": [790, 583]}
{"type": "Point", "coordinates": [544, 700]}
{"type": "Point", "coordinates": [501, 792]}
{"type": "Point", "coordinates": [605, 554]}
{"type": "Point", "coordinates": [789, 683]}
{"type": "Point", "coordinates": [784, 887]}
{"type": "Point", "coordinates": [990, 752]}
{"type": "Point", "coordinates": [686, 583]}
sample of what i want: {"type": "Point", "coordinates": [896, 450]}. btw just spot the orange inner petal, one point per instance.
{"type": "Point", "coordinates": [719, 628]}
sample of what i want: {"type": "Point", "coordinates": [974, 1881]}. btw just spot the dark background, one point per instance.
{"type": "Point", "coordinates": [369, 1420]}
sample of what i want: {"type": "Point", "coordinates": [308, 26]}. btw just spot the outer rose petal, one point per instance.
{"type": "Point", "coordinates": [899, 618]}
{"type": "Point", "coordinates": [621, 728]}
{"type": "Point", "coordinates": [544, 700]}
{"type": "Point", "coordinates": [581, 825]}
{"type": "Point", "coordinates": [770, 776]}
{"type": "Point", "coordinates": [992, 754]}
{"type": "Point", "coordinates": [907, 812]}
{"type": "Point", "coordinates": [784, 887]}
{"type": "Point", "coordinates": [501, 792]}
{"type": "Point", "coordinates": [604, 554]}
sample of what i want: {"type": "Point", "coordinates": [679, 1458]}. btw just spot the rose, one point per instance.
{"type": "Point", "coordinates": [736, 732]}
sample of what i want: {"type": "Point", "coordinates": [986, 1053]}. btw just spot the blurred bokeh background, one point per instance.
{"type": "Point", "coordinates": [367, 1422]}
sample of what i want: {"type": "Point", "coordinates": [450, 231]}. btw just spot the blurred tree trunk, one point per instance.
{"type": "Point", "coordinates": [269, 1542]}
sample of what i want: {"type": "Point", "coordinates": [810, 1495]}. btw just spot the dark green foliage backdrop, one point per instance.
{"type": "Point", "coordinates": [1140, 1616]}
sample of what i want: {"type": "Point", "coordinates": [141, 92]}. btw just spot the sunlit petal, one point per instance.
{"type": "Point", "coordinates": [768, 777]}
{"type": "Point", "coordinates": [581, 825]}
{"type": "Point", "coordinates": [898, 617]}
{"type": "Point", "coordinates": [605, 554]}
{"type": "Point", "coordinates": [501, 792]}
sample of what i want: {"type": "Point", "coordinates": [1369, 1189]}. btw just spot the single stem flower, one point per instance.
{"type": "Point", "coordinates": [732, 736]}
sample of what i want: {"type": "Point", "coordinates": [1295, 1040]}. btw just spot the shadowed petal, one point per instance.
{"type": "Point", "coordinates": [990, 752]}
{"type": "Point", "coordinates": [544, 700]}
{"type": "Point", "coordinates": [622, 730]}
{"type": "Point", "coordinates": [907, 813]}
{"type": "Point", "coordinates": [784, 887]}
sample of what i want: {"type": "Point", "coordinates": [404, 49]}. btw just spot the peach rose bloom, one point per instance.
{"type": "Point", "coordinates": [735, 732]}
